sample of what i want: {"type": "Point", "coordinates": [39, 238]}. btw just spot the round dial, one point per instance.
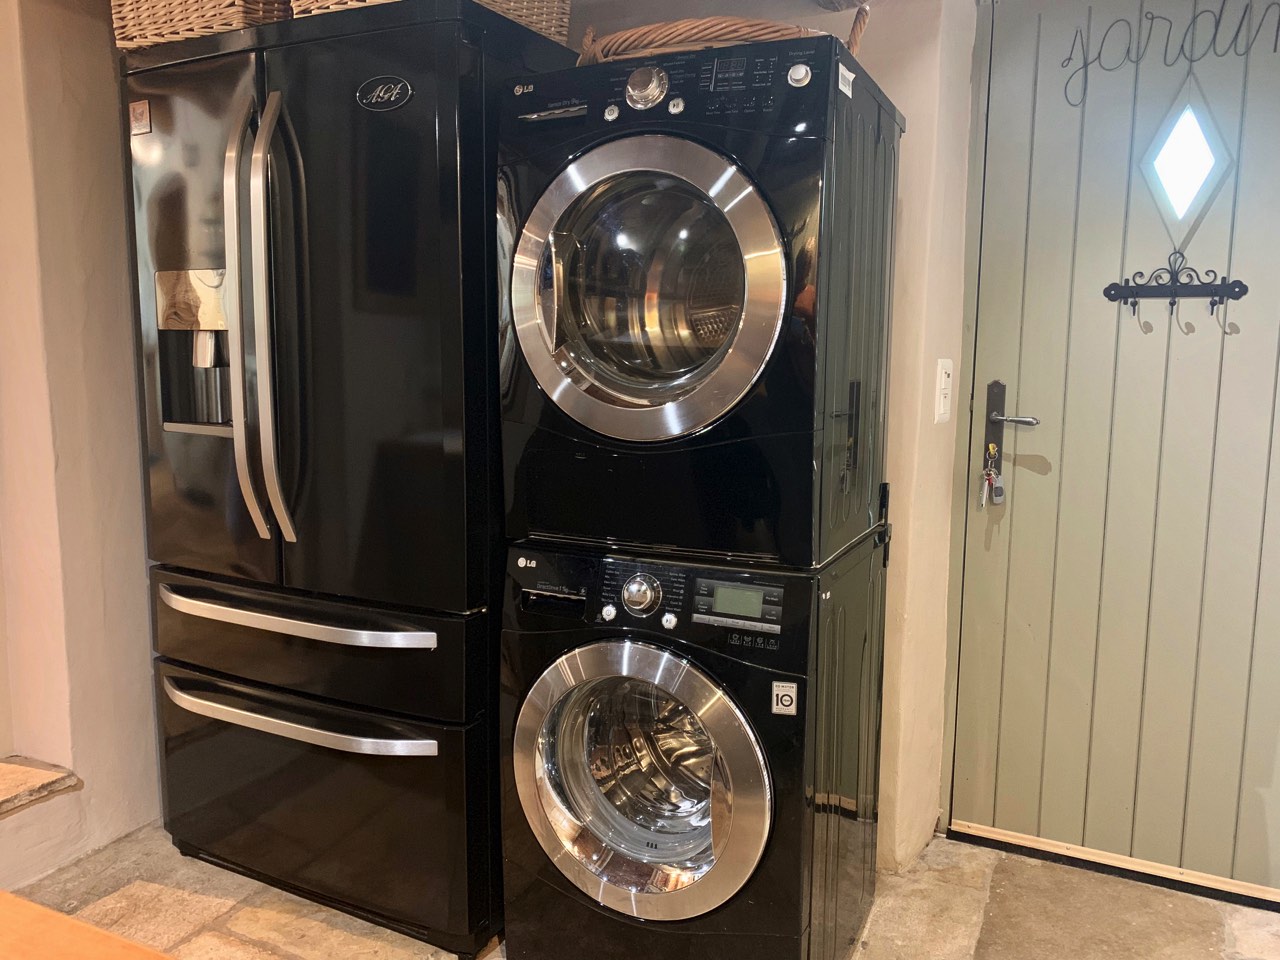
{"type": "Point", "coordinates": [642, 594]}
{"type": "Point", "coordinates": [646, 87]}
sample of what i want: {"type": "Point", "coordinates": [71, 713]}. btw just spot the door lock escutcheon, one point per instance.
{"type": "Point", "coordinates": [997, 421]}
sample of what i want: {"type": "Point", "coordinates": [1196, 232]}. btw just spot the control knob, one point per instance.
{"type": "Point", "coordinates": [800, 75]}
{"type": "Point", "coordinates": [642, 594]}
{"type": "Point", "coordinates": [646, 87]}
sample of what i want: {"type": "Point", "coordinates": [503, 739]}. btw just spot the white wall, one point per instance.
{"type": "Point", "coordinates": [920, 52]}
{"type": "Point", "coordinates": [72, 561]}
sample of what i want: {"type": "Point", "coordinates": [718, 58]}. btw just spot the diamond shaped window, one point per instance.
{"type": "Point", "coordinates": [1187, 164]}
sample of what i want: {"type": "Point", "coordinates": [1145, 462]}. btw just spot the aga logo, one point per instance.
{"type": "Point", "coordinates": [384, 93]}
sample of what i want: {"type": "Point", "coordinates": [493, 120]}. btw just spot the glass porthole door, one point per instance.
{"type": "Point", "coordinates": [642, 781]}
{"type": "Point", "coordinates": [648, 288]}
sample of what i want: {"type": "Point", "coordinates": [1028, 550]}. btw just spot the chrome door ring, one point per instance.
{"type": "Point", "coordinates": [739, 844]}
{"type": "Point", "coordinates": [764, 303]}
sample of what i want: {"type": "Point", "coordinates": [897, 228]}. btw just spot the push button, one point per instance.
{"type": "Point", "coordinates": [772, 614]}
{"type": "Point", "coordinates": [702, 605]}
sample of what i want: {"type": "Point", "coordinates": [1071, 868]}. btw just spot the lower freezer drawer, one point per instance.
{"type": "Point", "coordinates": [390, 817]}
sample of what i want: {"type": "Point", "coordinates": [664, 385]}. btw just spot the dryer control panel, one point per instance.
{"type": "Point", "coordinates": [739, 610]}
{"type": "Point", "coordinates": [781, 87]}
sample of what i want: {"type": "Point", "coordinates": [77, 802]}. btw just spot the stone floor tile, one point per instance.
{"type": "Point", "coordinates": [1251, 934]}
{"type": "Point", "coordinates": [219, 946]}
{"type": "Point", "coordinates": [146, 854]}
{"type": "Point", "coordinates": [921, 917]}
{"type": "Point", "coordinates": [154, 915]}
{"type": "Point", "coordinates": [1045, 911]}
{"type": "Point", "coordinates": [311, 932]}
{"type": "Point", "coordinates": [965, 864]}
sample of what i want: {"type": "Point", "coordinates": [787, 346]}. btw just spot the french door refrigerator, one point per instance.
{"type": "Point", "coordinates": [314, 220]}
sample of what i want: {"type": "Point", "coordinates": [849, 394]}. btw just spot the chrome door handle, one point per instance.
{"type": "Point", "coordinates": [258, 187]}
{"type": "Point", "coordinates": [309, 630]}
{"type": "Point", "coordinates": [1015, 421]}
{"type": "Point", "coordinates": [370, 746]}
{"type": "Point", "coordinates": [231, 308]}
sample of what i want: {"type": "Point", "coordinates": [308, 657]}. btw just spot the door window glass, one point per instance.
{"type": "Point", "coordinates": [634, 766]}
{"type": "Point", "coordinates": [646, 284]}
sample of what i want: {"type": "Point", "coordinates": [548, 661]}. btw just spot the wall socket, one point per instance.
{"type": "Point", "coordinates": [943, 394]}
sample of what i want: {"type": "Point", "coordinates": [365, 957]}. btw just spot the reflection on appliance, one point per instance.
{"type": "Point", "coordinates": [697, 320]}
{"type": "Point", "coordinates": [690, 755]}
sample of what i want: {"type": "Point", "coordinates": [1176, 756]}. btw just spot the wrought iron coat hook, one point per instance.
{"type": "Point", "coordinates": [1175, 283]}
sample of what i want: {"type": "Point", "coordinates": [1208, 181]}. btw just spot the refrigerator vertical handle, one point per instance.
{"type": "Point", "coordinates": [233, 285]}
{"type": "Point", "coordinates": [260, 245]}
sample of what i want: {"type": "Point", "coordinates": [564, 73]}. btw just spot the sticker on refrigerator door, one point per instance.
{"type": "Point", "coordinates": [785, 696]}
{"type": "Point", "coordinates": [139, 117]}
{"type": "Point", "coordinates": [384, 93]}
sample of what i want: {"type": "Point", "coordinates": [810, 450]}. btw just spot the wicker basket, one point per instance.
{"type": "Point", "coordinates": [141, 23]}
{"type": "Point", "coordinates": [548, 17]}
{"type": "Point", "coordinates": [679, 36]}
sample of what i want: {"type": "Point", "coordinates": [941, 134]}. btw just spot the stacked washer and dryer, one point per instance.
{"type": "Point", "coordinates": [694, 337]}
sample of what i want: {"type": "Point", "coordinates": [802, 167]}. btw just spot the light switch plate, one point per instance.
{"type": "Point", "coordinates": [944, 391]}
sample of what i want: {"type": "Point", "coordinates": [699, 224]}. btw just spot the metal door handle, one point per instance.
{"type": "Point", "coordinates": [326, 633]}
{"type": "Point", "coordinates": [231, 308]}
{"type": "Point", "coordinates": [370, 746]}
{"type": "Point", "coordinates": [1015, 421]}
{"type": "Point", "coordinates": [258, 187]}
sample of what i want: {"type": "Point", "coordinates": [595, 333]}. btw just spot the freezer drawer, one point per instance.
{"type": "Point", "coordinates": [424, 666]}
{"type": "Point", "coordinates": [388, 817]}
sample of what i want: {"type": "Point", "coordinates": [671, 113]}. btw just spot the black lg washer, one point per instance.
{"type": "Point", "coordinates": [690, 755]}
{"type": "Point", "coordinates": [695, 327]}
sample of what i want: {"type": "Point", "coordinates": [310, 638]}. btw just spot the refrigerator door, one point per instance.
{"type": "Point", "coordinates": [382, 816]}
{"type": "Point", "coordinates": [380, 388]}
{"type": "Point", "coordinates": [190, 139]}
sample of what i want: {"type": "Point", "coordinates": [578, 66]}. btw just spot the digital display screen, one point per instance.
{"type": "Point", "coordinates": [738, 601]}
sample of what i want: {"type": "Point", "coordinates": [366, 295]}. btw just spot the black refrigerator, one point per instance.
{"type": "Point", "coordinates": [314, 220]}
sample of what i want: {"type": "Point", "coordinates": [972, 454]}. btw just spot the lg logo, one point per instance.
{"type": "Point", "coordinates": [524, 562]}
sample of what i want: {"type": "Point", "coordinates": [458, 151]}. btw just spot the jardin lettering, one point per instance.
{"type": "Point", "coordinates": [1211, 32]}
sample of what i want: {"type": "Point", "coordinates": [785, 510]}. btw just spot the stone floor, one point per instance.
{"type": "Point", "coordinates": [959, 902]}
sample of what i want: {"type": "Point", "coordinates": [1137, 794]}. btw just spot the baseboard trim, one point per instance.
{"type": "Point", "coordinates": [1238, 888]}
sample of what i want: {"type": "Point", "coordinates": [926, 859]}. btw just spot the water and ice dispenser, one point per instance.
{"type": "Point", "coordinates": [194, 374]}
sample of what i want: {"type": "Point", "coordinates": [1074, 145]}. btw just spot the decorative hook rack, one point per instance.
{"type": "Point", "coordinates": [1175, 283]}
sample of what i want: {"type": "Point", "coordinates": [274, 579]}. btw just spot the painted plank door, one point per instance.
{"type": "Point", "coordinates": [1119, 680]}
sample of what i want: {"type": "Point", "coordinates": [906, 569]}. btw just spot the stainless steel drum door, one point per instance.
{"type": "Point", "coordinates": [642, 780]}
{"type": "Point", "coordinates": [648, 288]}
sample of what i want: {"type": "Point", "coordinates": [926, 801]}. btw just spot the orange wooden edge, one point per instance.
{"type": "Point", "coordinates": [32, 932]}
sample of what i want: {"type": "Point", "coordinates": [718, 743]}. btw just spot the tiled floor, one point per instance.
{"type": "Point", "coordinates": [957, 903]}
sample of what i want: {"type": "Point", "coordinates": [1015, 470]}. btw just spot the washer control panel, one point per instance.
{"type": "Point", "coordinates": [744, 611]}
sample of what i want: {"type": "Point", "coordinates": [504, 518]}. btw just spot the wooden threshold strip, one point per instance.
{"type": "Point", "coordinates": [1225, 884]}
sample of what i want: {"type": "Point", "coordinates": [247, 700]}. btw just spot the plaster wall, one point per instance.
{"type": "Point", "coordinates": [920, 52]}
{"type": "Point", "coordinates": [73, 559]}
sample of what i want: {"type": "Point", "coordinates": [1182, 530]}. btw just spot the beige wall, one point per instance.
{"type": "Point", "coordinates": [72, 566]}
{"type": "Point", "coordinates": [920, 52]}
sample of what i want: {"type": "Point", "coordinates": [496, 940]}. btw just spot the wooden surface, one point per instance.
{"type": "Point", "coordinates": [31, 932]}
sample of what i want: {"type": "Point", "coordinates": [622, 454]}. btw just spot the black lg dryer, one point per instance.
{"type": "Point", "coordinates": [695, 327]}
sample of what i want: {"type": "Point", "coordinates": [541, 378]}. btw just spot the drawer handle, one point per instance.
{"type": "Point", "coordinates": [212, 610]}
{"type": "Point", "coordinates": [296, 731]}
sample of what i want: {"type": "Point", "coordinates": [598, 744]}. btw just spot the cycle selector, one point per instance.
{"type": "Point", "coordinates": [641, 594]}
{"type": "Point", "coordinates": [646, 87]}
